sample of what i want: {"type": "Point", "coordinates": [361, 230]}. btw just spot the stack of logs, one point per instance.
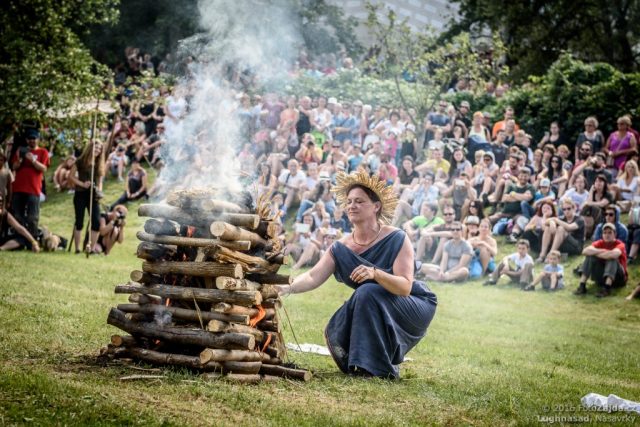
{"type": "Point", "coordinates": [205, 297]}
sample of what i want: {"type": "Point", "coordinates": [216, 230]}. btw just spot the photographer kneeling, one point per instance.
{"type": "Point", "coordinates": [13, 235]}
{"type": "Point", "coordinates": [111, 229]}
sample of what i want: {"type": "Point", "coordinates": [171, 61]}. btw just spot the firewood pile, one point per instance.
{"type": "Point", "coordinates": [205, 297]}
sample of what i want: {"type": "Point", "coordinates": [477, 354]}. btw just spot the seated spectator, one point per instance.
{"type": "Point", "coordinates": [314, 250]}
{"type": "Point", "coordinates": [111, 229]}
{"type": "Point", "coordinates": [339, 220]}
{"type": "Point", "coordinates": [620, 144]}
{"type": "Point", "coordinates": [578, 194]}
{"type": "Point", "coordinates": [508, 174]}
{"type": "Point", "coordinates": [591, 168]}
{"type": "Point", "coordinates": [514, 195]}
{"type": "Point", "coordinates": [485, 248]}
{"type": "Point", "coordinates": [626, 187]}
{"type": "Point", "coordinates": [117, 161]}
{"type": "Point", "coordinates": [267, 182]}
{"type": "Point", "coordinates": [291, 180]}
{"type": "Point", "coordinates": [61, 179]}
{"type": "Point", "coordinates": [432, 238]}
{"type": "Point", "coordinates": [599, 198]}
{"type": "Point", "coordinates": [456, 256]}
{"type": "Point", "coordinates": [552, 275]}
{"type": "Point", "coordinates": [13, 235]}
{"type": "Point", "coordinates": [407, 178]}
{"type": "Point", "coordinates": [459, 165]}
{"type": "Point", "coordinates": [611, 216]}
{"type": "Point", "coordinates": [303, 232]}
{"type": "Point", "coordinates": [387, 170]}
{"type": "Point", "coordinates": [474, 208]}
{"type": "Point", "coordinates": [6, 178]}
{"type": "Point", "coordinates": [565, 234]}
{"type": "Point", "coordinates": [461, 192]}
{"type": "Point", "coordinates": [557, 175]}
{"type": "Point", "coordinates": [470, 227]}
{"type": "Point", "coordinates": [592, 137]}
{"type": "Point", "coordinates": [136, 185]}
{"type": "Point", "coordinates": [355, 159]}
{"type": "Point", "coordinates": [544, 193]}
{"type": "Point", "coordinates": [436, 165]}
{"type": "Point", "coordinates": [411, 200]}
{"type": "Point", "coordinates": [427, 218]}
{"type": "Point", "coordinates": [605, 263]}
{"type": "Point", "coordinates": [518, 266]}
{"type": "Point", "coordinates": [485, 173]}
{"type": "Point", "coordinates": [535, 227]}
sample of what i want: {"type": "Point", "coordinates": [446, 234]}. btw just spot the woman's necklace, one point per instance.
{"type": "Point", "coordinates": [353, 237]}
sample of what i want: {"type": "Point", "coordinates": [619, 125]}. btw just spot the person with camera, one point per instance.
{"type": "Point", "coordinates": [13, 235]}
{"type": "Point", "coordinates": [84, 198]}
{"type": "Point", "coordinates": [111, 229]}
{"type": "Point", "coordinates": [29, 164]}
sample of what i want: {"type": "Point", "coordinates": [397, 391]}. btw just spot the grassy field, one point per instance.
{"type": "Point", "coordinates": [493, 356]}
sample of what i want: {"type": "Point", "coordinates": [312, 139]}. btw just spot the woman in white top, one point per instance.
{"type": "Point", "coordinates": [478, 130]}
{"type": "Point", "coordinates": [321, 118]}
{"type": "Point", "coordinates": [578, 193]}
{"type": "Point", "coordinates": [626, 187]}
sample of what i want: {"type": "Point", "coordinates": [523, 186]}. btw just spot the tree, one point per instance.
{"type": "Point", "coordinates": [538, 32]}
{"type": "Point", "coordinates": [43, 64]}
{"type": "Point", "coordinates": [402, 54]}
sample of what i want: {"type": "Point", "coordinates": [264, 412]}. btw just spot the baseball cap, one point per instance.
{"type": "Point", "coordinates": [544, 182]}
{"type": "Point", "coordinates": [472, 219]}
{"type": "Point", "coordinates": [465, 104]}
{"type": "Point", "coordinates": [32, 133]}
{"type": "Point", "coordinates": [324, 176]}
{"type": "Point", "coordinates": [609, 226]}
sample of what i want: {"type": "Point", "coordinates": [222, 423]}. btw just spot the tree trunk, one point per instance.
{"type": "Point", "coordinates": [226, 231]}
{"type": "Point", "coordinates": [245, 298]}
{"type": "Point", "coordinates": [183, 336]}
{"type": "Point", "coordinates": [238, 245]}
{"type": "Point", "coordinates": [184, 313]}
{"type": "Point", "coordinates": [197, 269]}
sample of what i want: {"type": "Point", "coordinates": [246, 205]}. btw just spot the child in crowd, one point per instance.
{"type": "Point", "coordinates": [518, 266]}
{"type": "Point", "coordinates": [552, 276]}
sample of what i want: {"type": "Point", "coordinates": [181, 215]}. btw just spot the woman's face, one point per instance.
{"type": "Point", "coordinates": [359, 206]}
{"type": "Point", "coordinates": [580, 183]}
{"type": "Point", "coordinates": [484, 228]}
{"type": "Point", "coordinates": [307, 219]}
{"type": "Point", "coordinates": [97, 149]}
{"type": "Point", "coordinates": [546, 210]}
{"type": "Point", "coordinates": [537, 156]}
{"type": "Point", "coordinates": [407, 164]}
{"type": "Point", "coordinates": [473, 209]}
{"type": "Point", "coordinates": [458, 155]}
{"type": "Point", "coordinates": [599, 184]}
{"type": "Point", "coordinates": [554, 129]}
{"type": "Point", "coordinates": [630, 168]}
{"type": "Point", "coordinates": [322, 102]}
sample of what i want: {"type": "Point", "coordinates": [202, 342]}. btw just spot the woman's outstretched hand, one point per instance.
{"type": "Point", "coordinates": [362, 273]}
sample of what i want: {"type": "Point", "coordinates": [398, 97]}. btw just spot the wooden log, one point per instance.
{"type": "Point", "coordinates": [154, 251]}
{"type": "Point", "coordinates": [268, 291]}
{"type": "Point", "coordinates": [170, 212]}
{"type": "Point", "coordinates": [272, 303]}
{"type": "Point", "coordinates": [171, 359]}
{"type": "Point", "coordinates": [248, 221]}
{"type": "Point", "coordinates": [269, 325]}
{"type": "Point", "coordinates": [241, 367]}
{"type": "Point", "coordinates": [144, 299]}
{"type": "Point", "coordinates": [230, 283]}
{"type": "Point", "coordinates": [239, 245]}
{"type": "Point", "coordinates": [248, 311]}
{"type": "Point", "coordinates": [281, 371]}
{"type": "Point", "coordinates": [220, 326]}
{"type": "Point", "coordinates": [270, 278]}
{"type": "Point", "coordinates": [146, 278]}
{"type": "Point", "coordinates": [248, 262]}
{"type": "Point", "coordinates": [162, 227]}
{"type": "Point", "coordinates": [220, 206]}
{"type": "Point", "coordinates": [245, 298]}
{"type": "Point", "coordinates": [184, 314]}
{"type": "Point", "coordinates": [226, 231]}
{"type": "Point", "coordinates": [240, 378]}
{"type": "Point", "coordinates": [277, 258]}
{"type": "Point", "coordinates": [123, 340]}
{"type": "Point", "coordinates": [198, 269]}
{"type": "Point", "coordinates": [195, 337]}
{"type": "Point", "coordinates": [137, 317]}
{"type": "Point", "coordinates": [220, 355]}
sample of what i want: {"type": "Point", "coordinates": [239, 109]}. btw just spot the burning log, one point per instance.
{"type": "Point", "coordinates": [184, 314]}
{"type": "Point", "coordinates": [123, 340]}
{"type": "Point", "coordinates": [154, 251]}
{"type": "Point", "coordinates": [268, 292]}
{"type": "Point", "coordinates": [226, 231]}
{"type": "Point", "coordinates": [269, 325]}
{"type": "Point", "coordinates": [248, 298]}
{"type": "Point", "coordinates": [238, 245]}
{"type": "Point", "coordinates": [281, 371]}
{"type": "Point", "coordinates": [180, 335]}
{"type": "Point", "coordinates": [249, 263]}
{"type": "Point", "coordinates": [236, 309]}
{"type": "Point", "coordinates": [197, 269]}
{"type": "Point", "coordinates": [146, 278]}
{"type": "Point", "coordinates": [162, 227]}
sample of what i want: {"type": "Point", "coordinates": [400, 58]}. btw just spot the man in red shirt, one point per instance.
{"type": "Point", "coordinates": [605, 263]}
{"type": "Point", "coordinates": [29, 164]}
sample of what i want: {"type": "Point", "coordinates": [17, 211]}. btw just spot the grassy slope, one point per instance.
{"type": "Point", "coordinates": [492, 356]}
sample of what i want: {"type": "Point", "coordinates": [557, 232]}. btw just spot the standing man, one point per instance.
{"type": "Point", "coordinates": [29, 163]}
{"type": "Point", "coordinates": [605, 262]}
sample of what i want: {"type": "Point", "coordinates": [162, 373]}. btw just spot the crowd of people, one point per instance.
{"type": "Point", "coordinates": [462, 180]}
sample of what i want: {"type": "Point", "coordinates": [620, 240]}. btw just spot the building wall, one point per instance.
{"type": "Point", "coordinates": [420, 13]}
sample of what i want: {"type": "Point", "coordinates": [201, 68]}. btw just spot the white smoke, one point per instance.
{"type": "Point", "coordinates": [201, 148]}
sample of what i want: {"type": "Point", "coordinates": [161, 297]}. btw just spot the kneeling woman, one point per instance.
{"type": "Point", "coordinates": [389, 312]}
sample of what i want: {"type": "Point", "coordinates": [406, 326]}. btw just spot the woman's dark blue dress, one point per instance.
{"type": "Point", "coordinates": [374, 329]}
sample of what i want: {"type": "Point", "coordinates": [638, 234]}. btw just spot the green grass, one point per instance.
{"type": "Point", "coordinates": [493, 356]}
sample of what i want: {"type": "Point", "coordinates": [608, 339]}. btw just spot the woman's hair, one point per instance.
{"type": "Point", "coordinates": [268, 179]}
{"type": "Point", "coordinates": [454, 163]}
{"type": "Point", "coordinates": [625, 119]}
{"type": "Point", "coordinates": [139, 128]}
{"type": "Point", "coordinates": [479, 207]}
{"type": "Point", "coordinates": [370, 193]}
{"type": "Point", "coordinates": [602, 177]}
{"type": "Point", "coordinates": [593, 120]}
{"type": "Point", "coordinates": [312, 228]}
{"type": "Point", "coordinates": [550, 170]}
{"type": "Point", "coordinates": [402, 173]}
{"type": "Point", "coordinates": [85, 158]}
{"type": "Point", "coordinates": [633, 163]}
{"type": "Point", "coordinates": [554, 212]}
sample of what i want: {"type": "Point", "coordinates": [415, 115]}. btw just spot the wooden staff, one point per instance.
{"type": "Point", "coordinates": [88, 247]}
